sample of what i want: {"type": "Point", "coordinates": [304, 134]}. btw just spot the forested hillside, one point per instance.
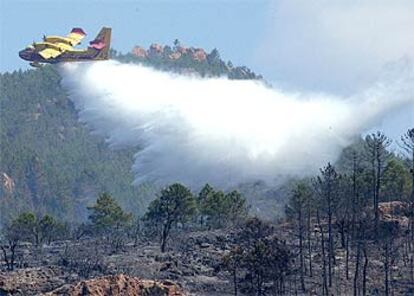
{"type": "Point", "coordinates": [51, 163]}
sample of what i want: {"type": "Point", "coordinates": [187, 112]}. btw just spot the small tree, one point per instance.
{"type": "Point", "coordinates": [8, 244]}
{"type": "Point", "coordinates": [389, 232]}
{"type": "Point", "coordinates": [221, 209]}
{"type": "Point", "coordinates": [295, 210]}
{"type": "Point", "coordinates": [214, 57]}
{"type": "Point", "coordinates": [22, 228]}
{"type": "Point", "coordinates": [50, 229]}
{"type": "Point", "coordinates": [396, 182]}
{"type": "Point", "coordinates": [107, 214]}
{"type": "Point", "coordinates": [267, 261]}
{"type": "Point", "coordinates": [214, 209]}
{"type": "Point", "coordinates": [12, 235]}
{"type": "Point", "coordinates": [26, 224]}
{"type": "Point", "coordinates": [376, 145]}
{"type": "Point", "coordinates": [233, 262]}
{"type": "Point", "coordinates": [236, 207]}
{"type": "Point", "coordinates": [260, 256]}
{"type": "Point", "coordinates": [327, 187]}
{"type": "Point", "coordinates": [408, 145]}
{"type": "Point", "coordinates": [253, 230]}
{"type": "Point", "coordinates": [108, 218]}
{"type": "Point", "coordinates": [202, 198]}
{"type": "Point", "coordinates": [177, 43]}
{"type": "Point", "coordinates": [176, 204]}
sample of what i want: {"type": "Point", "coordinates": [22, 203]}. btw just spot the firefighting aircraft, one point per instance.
{"type": "Point", "coordinates": [56, 49]}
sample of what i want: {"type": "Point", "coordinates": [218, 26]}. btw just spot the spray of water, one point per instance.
{"type": "Point", "coordinates": [222, 131]}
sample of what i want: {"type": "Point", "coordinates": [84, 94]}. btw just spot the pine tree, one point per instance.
{"type": "Point", "coordinates": [176, 204]}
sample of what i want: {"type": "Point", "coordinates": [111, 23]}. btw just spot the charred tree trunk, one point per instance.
{"type": "Point", "coordinates": [377, 144]}
{"type": "Point", "coordinates": [301, 256]}
{"type": "Point", "coordinates": [164, 236]}
{"type": "Point", "coordinates": [365, 270]}
{"type": "Point", "coordinates": [309, 243]}
{"type": "Point", "coordinates": [356, 274]}
{"type": "Point", "coordinates": [9, 258]}
{"type": "Point", "coordinates": [235, 281]}
{"type": "Point", "coordinates": [342, 232]}
{"type": "Point", "coordinates": [330, 244]}
{"type": "Point", "coordinates": [412, 199]}
{"type": "Point", "coordinates": [377, 191]}
{"type": "Point", "coordinates": [386, 267]}
{"type": "Point", "coordinates": [324, 276]}
{"type": "Point", "coordinates": [347, 255]}
{"type": "Point", "coordinates": [259, 284]}
{"type": "Point", "coordinates": [412, 267]}
{"type": "Point", "coordinates": [6, 258]}
{"type": "Point", "coordinates": [354, 193]}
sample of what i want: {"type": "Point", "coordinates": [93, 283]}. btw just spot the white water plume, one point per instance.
{"type": "Point", "coordinates": [221, 131]}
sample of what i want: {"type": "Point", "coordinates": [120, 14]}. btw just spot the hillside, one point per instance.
{"type": "Point", "coordinates": [50, 162]}
{"type": "Point", "coordinates": [186, 60]}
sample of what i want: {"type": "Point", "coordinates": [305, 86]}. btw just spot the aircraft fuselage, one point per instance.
{"type": "Point", "coordinates": [32, 55]}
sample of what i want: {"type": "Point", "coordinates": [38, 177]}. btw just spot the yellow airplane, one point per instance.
{"type": "Point", "coordinates": [56, 49]}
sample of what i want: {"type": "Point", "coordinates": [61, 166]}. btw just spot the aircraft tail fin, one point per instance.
{"type": "Point", "coordinates": [102, 43]}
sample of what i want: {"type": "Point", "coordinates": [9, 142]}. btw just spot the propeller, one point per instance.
{"type": "Point", "coordinates": [44, 37]}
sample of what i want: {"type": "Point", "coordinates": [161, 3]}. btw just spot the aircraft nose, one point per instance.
{"type": "Point", "coordinates": [24, 54]}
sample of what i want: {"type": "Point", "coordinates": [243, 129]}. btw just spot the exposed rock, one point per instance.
{"type": "Point", "coordinates": [199, 55]}
{"type": "Point", "coordinates": [394, 211]}
{"type": "Point", "coordinates": [393, 208]}
{"type": "Point", "coordinates": [190, 61]}
{"type": "Point", "coordinates": [175, 55]}
{"type": "Point", "coordinates": [120, 285]}
{"type": "Point", "coordinates": [139, 52]}
{"type": "Point", "coordinates": [155, 49]}
{"type": "Point", "coordinates": [7, 182]}
{"type": "Point", "coordinates": [182, 49]}
{"type": "Point", "coordinates": [205, 245]}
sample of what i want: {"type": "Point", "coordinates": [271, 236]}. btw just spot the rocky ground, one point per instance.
{"type": "Point", "coordinates": [64, 265]}
{"type": "Point", "coordinates": [52, 282]}
{"type": "Point", "coordinates": [193, 263]}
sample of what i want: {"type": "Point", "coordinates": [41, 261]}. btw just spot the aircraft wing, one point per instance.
{"type": "Point", "coordinates": [72, 39]}
{"type": "Point", "coordinates": [49, 53]}
{"type": "Point", "coordinates": [76, 35]}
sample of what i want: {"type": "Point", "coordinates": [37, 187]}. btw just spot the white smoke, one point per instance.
{"type": "Point", "coordinates": [221, 131]}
